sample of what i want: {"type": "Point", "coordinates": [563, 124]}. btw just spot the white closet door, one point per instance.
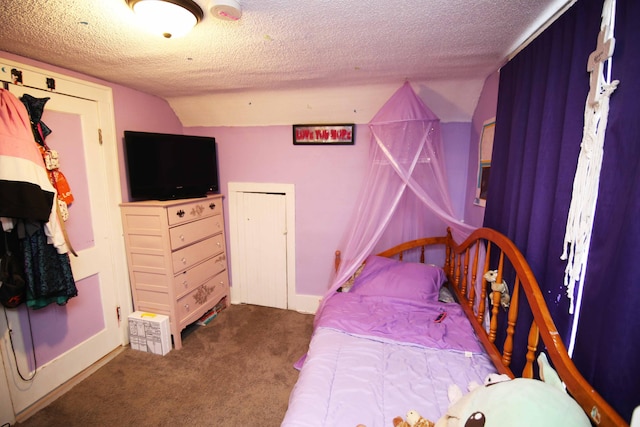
{"type": "Point", "coordinates": [262, 237]}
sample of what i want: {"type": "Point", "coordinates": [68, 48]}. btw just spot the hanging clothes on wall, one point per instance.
{"type": "Point", "coordinates": [25, 190]}
{"type": "Point", "coordinates": [13, 287]}
{"type": "Point", "coordinates": [35, 109]}
{"type": "Point", "coordinates": [47, 268]}
{"type": "Point", "coordinates": [48, 273]}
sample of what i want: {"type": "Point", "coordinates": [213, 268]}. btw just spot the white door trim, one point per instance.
{"type": "Point", "coordinates": [234, 188]}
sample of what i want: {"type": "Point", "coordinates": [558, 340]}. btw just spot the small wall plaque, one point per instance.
{"type": "Point", "coordinates": [337, 134]}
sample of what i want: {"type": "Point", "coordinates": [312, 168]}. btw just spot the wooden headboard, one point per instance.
{"type": "Point", "coordinates": [465, 265]}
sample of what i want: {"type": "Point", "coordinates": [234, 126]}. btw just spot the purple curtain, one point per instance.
{"type": "Point", "coordinates": [539, 124]}
{"type": "Point", "coordinates": [608, 342]}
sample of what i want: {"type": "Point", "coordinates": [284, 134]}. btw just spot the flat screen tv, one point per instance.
{"type": "Point", "coordinates": [164, 166]}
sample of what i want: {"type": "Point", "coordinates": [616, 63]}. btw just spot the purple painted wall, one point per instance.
{"type": "Point", "coordinates": [57, 329]}
{"type": "Point", "coordinates": [455, 138]}
{"type": "Point", "coordinates": [139, 111]}
{"type": "Point", "coordinates": [327, 181]}
{"type": "Point", "coordinates": [486, 109]}
{"type": "Point", "coordinates": [51, 325]}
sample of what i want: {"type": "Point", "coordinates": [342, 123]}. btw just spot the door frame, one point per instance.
{"type": "Point", "coordinates": [37, 78]}
{"type": "Point", "coordinates": [234, 190]}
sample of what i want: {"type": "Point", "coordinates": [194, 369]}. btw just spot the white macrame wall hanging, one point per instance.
{"type": "Point", "coordinates": [586, 181]}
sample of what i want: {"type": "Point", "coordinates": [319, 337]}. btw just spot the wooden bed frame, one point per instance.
{"type": "Point", "coordinates": [463, 268]}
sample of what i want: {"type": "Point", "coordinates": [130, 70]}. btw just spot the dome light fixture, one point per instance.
{"type": "Point", "coordinates": [171, 18]}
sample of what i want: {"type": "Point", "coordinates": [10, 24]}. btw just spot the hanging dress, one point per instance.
{"type": "Point", "coordinates": [25, 189]}
{"type": "Point", "coordinates": [28, 204]}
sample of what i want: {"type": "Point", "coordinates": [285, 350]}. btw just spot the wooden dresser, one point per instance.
{"type": "Point", "coordinates": [177, 258]}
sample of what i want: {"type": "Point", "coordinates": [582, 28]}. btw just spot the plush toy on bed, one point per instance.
{"type": "Point", "coordinates": [413, 420]}
{"type": "Point", "coordinates": [491, 276]}
{"type": "Point", "coordinates": [519, 402]}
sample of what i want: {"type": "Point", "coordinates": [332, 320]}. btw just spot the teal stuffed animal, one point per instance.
{"type": "Point", "coordinates": [521, 402]}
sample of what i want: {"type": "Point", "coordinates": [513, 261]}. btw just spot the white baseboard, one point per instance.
{"type": "Point", "coordinates": [305, 303]}
{"type": "Point", "coordinates": [302, 303]}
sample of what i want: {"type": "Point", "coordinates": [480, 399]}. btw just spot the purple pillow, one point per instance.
{"type": "Point", "coordinates": [409, 280]}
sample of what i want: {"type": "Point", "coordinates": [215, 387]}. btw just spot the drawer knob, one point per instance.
{"type": "Point", "coordinates": [185, 283]}
{"type": "Point", "coordinates": [219, 244]}
{"type": "Point", "coordinates": [212, 206]}
{"type": "Point", "coordinates": [180, 213]}
{"type": "Point", "coordinates": [182, 237]}
{"type": "Point", "coordinates": [186, 307]}
{"type": "Point", "coordinates": [184, 260]}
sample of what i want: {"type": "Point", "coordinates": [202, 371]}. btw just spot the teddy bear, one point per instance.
{"type": "Point", "coordinates": [521, 402]}
{"type": "Point", "coordinates": [491, 276]}
{"type": "Point", "coordinates": [414, 419]}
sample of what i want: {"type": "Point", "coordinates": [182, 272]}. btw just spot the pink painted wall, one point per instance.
{"type": "Point", "coordinates": [486, 109]}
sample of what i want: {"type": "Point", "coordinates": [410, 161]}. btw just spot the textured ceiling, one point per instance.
{"type": "Point", "coordinates": [277, 44]}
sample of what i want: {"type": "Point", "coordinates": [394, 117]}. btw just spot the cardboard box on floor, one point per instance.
{"type": "Point", "coordinates": [149, 332]}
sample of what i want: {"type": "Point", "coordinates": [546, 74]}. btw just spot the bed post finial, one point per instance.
{"type": "Point", "coordinates": [448, 262]}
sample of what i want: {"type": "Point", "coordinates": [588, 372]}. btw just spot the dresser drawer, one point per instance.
{"type": "Point", "coordinates": [186, 234]}
{"type": "Point", "coordinates": [190, 279]}
{"type": "Point", "coordinates": [185, 212]}
{"type": "Point", "coordinates": [208, 294]}
{"type": "Point", "coordinates": [191, 255]}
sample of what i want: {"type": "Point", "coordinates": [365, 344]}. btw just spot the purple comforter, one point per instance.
{"type": "Point", "coordinates": [429, 324]}
{"type": "Point", "coordinates": [373, 358]}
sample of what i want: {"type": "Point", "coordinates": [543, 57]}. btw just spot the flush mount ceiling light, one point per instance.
{"type": "Point", "coordinates": [171, 18]}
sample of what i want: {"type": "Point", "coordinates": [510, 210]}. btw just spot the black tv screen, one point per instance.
{"type": "Point", "coordinates": [164, 166]}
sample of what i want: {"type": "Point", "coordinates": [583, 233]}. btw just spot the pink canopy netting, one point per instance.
{"type": "Point", "coordinates": [405, 195]}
